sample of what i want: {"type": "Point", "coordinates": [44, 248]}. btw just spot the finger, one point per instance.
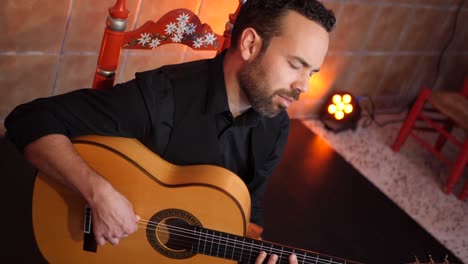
{"type": "Point", "coordinates": [100, 240]}
{"type": "Point", "coordinates": [113, 241]}
{"type": "Point", "coordinates": [273, 258]}
{"type": "Point", "coordinates": [125, 235]}
{"type": "Point", "coordinates": [292, 259]}
{"type": "Point", "coordinates": [261, 257]}
{"type": "Point", "coordinates": [138, 218]}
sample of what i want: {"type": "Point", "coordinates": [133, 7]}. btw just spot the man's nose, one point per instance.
{"type": "Point", "coordinates": [301, 85]}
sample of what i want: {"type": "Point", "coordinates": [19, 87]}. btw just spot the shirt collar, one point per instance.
{"type": "Point", "coordinates": [217, 101]}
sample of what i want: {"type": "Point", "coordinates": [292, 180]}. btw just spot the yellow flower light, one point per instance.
{"type": "Point", "coordinates": [340, 106]}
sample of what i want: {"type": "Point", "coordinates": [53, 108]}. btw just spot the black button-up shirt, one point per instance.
{"type": "Point", "coordinates": [125, 110]}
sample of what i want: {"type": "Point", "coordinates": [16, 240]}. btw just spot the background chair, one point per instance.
{"type": "Point", "coordinates": [180, 26]}
{"type": "Point", "coordinates": [454, 107]}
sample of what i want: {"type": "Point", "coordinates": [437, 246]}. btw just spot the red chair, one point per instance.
{"type": "Point", "coordinates": [177, 26]}
{"type": "Point", "coordinates": [454, 107]}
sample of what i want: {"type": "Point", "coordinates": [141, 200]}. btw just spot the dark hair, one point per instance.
{"type": "Point", "coordinates": [265, 17]}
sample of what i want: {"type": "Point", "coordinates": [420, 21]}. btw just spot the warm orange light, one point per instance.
{"type": "Point", "coordinates": [332, 109]}
{"type": "Point", "coordinates": [339, 115]}
{"type": "Point", "coordinates": [336, 99]}
{"type": "Point", "coordinates": [348, 108]}
{"type": "Point", "coordinates": [341, 105]}
{"type": "Point", "coordinates": [346, 98]}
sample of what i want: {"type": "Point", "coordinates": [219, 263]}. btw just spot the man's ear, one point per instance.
{"type": "Point", "coordinates": [250, 44]}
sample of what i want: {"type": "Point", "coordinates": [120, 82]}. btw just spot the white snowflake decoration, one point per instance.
{"type": "Point", "coordinates": [183, 19]}
{"type": "Point", "coordinates": [145, 38]}
{"type": "Point", "coordinates": [171, 28]}
{"type": "Point", "coordinates": [210, 38]}
{"type": "Point", "coordinates": [154, 43]}
{"type": "Point", "coordinates": [198, 43]}
{"type": "Point", "coordinates": [190, 29]}
{"type": "Point", "coordinates": [177, 38]}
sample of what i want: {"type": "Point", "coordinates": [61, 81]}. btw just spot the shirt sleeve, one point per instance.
{"type": "Point", "coordinates": [120, 110]}
{"type": "Point", "coordinates": [263, 174]}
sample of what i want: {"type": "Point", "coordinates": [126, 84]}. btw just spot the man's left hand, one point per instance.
{"type": "Point", "coordinates": [273, 258]}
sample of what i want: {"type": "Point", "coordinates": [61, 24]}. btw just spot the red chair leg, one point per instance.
{"type": "Point", "coordinates": [457, 167]}
{"type": "Point", "coordinates": [441, 139]}
{"type": "Point", "coordinates": [411, 119]}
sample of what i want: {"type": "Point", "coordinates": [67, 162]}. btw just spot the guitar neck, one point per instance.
{"type": "Point", "coordinates": [228, 246]}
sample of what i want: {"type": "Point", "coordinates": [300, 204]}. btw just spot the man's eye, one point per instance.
{"type": "Point", "coordinates": [294, 66]}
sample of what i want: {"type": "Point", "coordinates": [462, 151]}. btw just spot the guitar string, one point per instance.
{"type": "Point", "coordinates": [233, 252]}
{"type": "Point", "coordinates": [194, 234]}
{"type": "Point", "coordinates": [271, 249]}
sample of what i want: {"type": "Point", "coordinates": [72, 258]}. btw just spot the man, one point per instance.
{"type": "Point", "coordinates": [228, 111]}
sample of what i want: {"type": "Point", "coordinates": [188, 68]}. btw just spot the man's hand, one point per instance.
{"type": "Point", "coordinates": [113, 217]}
{"type": "Point", "coordinates": [112, 214]}
{"type": "Point", "coordinates": [273, 258]}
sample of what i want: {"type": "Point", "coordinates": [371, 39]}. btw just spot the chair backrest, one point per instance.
{"type": "Point", "coordinates": [177, 26]}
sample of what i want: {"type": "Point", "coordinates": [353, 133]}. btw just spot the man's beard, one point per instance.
{"type": "Point", "coordinates": [252, 82]}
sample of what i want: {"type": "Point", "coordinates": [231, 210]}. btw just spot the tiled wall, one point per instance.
{"type": "Point", "coordinates": [385, 49]}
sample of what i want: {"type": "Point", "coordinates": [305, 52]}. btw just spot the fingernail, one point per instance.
{"type": "Point", "coordinates": [293, 257]}
{"type": "Point", "coordinates": [274, 257]}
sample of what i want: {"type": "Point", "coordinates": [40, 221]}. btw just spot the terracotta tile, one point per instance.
{"type": "Point", "coordinates": [88, 21]}
{"type": "Point", "coordinates": [426, 74]}
{"type": "Point", "coordinates": [367, 74]}
{"type": "Point", "coordinates": [153, 10]}
{"type": "Point", "coordinates": [33, 25]}
{"type": "Point", "coordinates": [352, 27]}
{"type": "Point", "coordinates": [428, 30]}
{"type": "Point", "coordinates": [460, 40]}
{"type": "Point", "coordinates": [24, 78]}
{"type": "Point", "coordinates": [388, 28]}
{"type": "Point", "coordinates": [216, 13]}
{"type": "Point", "coordinates": [400, 76]}
{"type": "Point", "coordinates": [75, 72]}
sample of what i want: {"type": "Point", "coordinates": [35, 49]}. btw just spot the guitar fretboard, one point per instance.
{"type": "Point", "coordinates": [243, 249]}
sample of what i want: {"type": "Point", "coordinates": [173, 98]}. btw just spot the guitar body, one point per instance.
{"type": "Point", "coordinates": [203, 195]}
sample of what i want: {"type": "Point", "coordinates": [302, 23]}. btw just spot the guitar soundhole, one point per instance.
{"type": "Point", "coordinates": [170, 232]}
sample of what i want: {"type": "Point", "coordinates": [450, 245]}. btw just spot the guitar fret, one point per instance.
{"type": "Point", "coordinates": [281, 254]}
{"type": "Point", "coordinates": [250, 251]}
{"type": "Point", "coordinates": [234, 248]}
{"type": "Point", "coordinates": [242, 249]}
{"type": "Point", "coordinates": [198, 245]}
{"type": "Point", "coordinates": [219, 244]}
{"type": "Point", "coordinates": [204, 245]}
{"type": "Point", "coordinates": [212, 242]}
{"type": "Point", "coordinates": [227, 237]}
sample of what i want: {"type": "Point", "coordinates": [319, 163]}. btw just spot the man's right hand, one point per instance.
{"type": "Point", "coordinates": [113, 217]}
{"type": "Point", "coordinates": [112, 214]}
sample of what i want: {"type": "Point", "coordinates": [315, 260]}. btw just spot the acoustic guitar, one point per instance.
{"type": "Point", "coordinates": [189, 214]}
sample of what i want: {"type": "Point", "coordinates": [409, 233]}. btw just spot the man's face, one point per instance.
{"type": "Point", "coordinates": [274, 79]}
